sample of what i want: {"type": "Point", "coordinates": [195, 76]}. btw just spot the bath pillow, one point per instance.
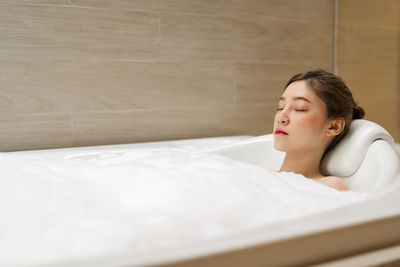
{"type": "Point", "coordinates": [347, 156]}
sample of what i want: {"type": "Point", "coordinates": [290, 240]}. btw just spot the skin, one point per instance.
{"type": "Point", "coordinates": [303, 116]}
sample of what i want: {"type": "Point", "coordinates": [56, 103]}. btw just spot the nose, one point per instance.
{"type": "Point", "coordinates": [283, 118]}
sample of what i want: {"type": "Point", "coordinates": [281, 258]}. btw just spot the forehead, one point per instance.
{"type": "Point", "coordinates": [300, 89]}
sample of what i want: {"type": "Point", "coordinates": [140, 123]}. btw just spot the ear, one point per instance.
{"type": "Point", "coordinates": [335, 126]}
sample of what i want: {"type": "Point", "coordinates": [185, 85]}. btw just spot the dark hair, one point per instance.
{"type": "Point", "coordinates": [335, 94]}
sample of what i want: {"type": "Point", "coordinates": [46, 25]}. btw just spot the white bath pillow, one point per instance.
{"type": "Point", "coordinates": [345, 159]}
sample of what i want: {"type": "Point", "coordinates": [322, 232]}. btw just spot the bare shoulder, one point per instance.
{"type": "Point", "coordinates": [334, 182]}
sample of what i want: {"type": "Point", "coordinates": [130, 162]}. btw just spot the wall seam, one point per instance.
{"type": "Point", "coordinates": [335, 35]}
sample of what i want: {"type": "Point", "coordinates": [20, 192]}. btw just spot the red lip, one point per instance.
{"type": "Point", "coordinates": [279, 131]}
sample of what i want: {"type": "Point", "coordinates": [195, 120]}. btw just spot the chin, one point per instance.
{"type": "Point", "coordinates": [279, 147]}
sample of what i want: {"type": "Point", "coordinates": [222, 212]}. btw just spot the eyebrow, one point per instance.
{"type": "Point", "coordinates": [297, 98]}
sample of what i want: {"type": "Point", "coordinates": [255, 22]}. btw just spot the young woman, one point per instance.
{"type": "Point", "coordinates": [314, 113]}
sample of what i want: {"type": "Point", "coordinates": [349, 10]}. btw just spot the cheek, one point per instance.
{"type": "Point", "coordinates": [312, 124]}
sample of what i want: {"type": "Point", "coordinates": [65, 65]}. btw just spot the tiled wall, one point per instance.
{"type": "Point", "coordinates": [368, 54]}
{"type": "Point", "coordinates": [89, 72]}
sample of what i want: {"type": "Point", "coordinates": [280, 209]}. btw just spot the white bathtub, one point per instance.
{"type": "Point", "coordinates": [359, 228]}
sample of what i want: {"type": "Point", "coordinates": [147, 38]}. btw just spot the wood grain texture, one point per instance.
{"type": "Point", "coordinates": [35, 131]}
{"type": "Point", "coordinates": [100, 86]}
{"type": "Point", "coordinates": [62, 32]}
{"type": "Point", "coordinates": [368, 58]}
{"type": "Point", "coordinates": [121, 71]}
{"type": "Point", "coordinates": [188, 37]}
{"type": "Point", "coordinates": [369, 12]}
{"type": "Point", "coordinates": [100, 127]}
{"type": "Point", "coordinates": [286, 9]}
{"type": "Point", "coordinates": [263, 83]}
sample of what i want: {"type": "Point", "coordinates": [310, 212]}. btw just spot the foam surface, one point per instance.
{"type": "Point", "coordinates": [144, 199]}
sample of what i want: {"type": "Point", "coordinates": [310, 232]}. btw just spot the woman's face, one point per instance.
{"type": "Point", "coordinates": [301, 122]}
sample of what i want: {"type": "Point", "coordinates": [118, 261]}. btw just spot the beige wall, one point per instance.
{"type": "Point", "coordinates": [88, 72]}
{"type": "Point", "coordinates": [368, 53]}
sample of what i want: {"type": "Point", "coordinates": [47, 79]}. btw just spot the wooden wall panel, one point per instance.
{"type": "Point", "coordinates": [106, 72]}
{"type": "Point", "coordinates": [52, 32]}
{"type": "Point", "coordinates": [98, 86]}
{"type": "Point", "coordinates": [368, 57]}
{"type": "Point", "coordinates": [282, 9]}
{"type": "Point", "coordinates": [255, 87]}
{"type": "Point", "coordinates": [35, 131]}
{"type": "Point", "coordinates": [188, 37]}
{"type": "Point", "coordinates": [92, 128]}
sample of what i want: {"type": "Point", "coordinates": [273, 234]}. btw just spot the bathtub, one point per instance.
{"type": "Point", "coordinates": [357, 229]}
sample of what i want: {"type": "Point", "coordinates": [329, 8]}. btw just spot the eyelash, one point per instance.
{"type": "Point", "coordinates": [300, 110]}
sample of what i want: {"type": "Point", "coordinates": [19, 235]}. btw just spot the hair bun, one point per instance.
{"type": "Point", "coordinates": [358, 112]}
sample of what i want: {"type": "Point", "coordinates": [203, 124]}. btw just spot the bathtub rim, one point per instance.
{"type": "Point", "coordinates": [371, 218]}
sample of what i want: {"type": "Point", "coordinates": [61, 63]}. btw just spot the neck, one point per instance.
{"type": "Point", "coordinates": [306, 164]}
